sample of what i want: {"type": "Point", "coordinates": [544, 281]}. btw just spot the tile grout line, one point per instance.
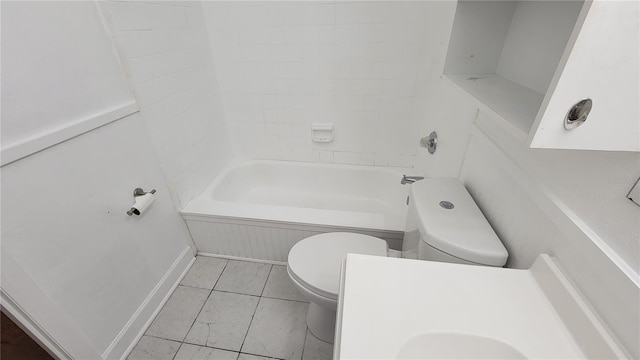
{"type": "Point", "coordinates": [279, 298]}
{"type": "Point", "coordinates": [267, 280]}
{"type": "Point", "coordinates": [209, 347]}
{"type": "Point", "coordinates": [304, 343]}
{"type": "Point", "coordinates": [273, 297]}
{"type": "Point", "coordinates": [201, 307]}
{"type": "Point", "coordinates": [179, 347]}
{"type": "Point", "coordinates": [161, 338]}
{"type": "Point", "coordinates": [237, 293]}
{"type": "Point", "coordinates": [219, 348]}
{"type": "Point", "coordinates": [241, 293]}
{"type": "Point", "coordinates": [268, 357]}
{"type": "Point", "coordinates": [254, 312]}
{"type": "Point", "coordinates": [260, 297]}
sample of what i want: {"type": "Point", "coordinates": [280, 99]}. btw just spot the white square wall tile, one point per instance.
{"type": "Point", "coordinates": [319, 13]}
{"type": "Point", "coordinates": [346, 157]}
{"type": "Point", "coordinates": [367, 159]}
{"type": "Point", "coordinates": [326, 156]}
{"type": "Point", "coordinates": [306, 52]}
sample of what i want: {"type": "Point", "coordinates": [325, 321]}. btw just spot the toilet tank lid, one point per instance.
{"type": "Point", "coordinates": [462, 230]}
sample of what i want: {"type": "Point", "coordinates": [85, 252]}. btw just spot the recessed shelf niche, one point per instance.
{"type": "Point", "coordinates": [505, 54]}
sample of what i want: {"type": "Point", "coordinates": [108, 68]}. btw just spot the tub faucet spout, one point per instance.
{"type": "Point", "coordinates": [410, 179]}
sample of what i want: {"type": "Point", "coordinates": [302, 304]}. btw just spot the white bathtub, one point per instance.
{"type": "Point", "coordinates": [260, 209]}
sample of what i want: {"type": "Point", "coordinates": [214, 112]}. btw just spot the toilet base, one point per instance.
{"type": "Point", "coordinates": [321, 322]}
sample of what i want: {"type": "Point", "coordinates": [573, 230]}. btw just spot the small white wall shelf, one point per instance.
{"type": "Point", "coordinates": [527, 63]}
{"type": "Point", "coordinates": [505, 53]}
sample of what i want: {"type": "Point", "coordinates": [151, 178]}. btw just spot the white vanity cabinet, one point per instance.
{"type": "Point", "coordinates": [528, 62]}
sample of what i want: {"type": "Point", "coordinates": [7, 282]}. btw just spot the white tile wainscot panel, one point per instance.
{"type": "Point", "coordinates": [254, 239]}
{"type": "Point", "coordinates": [245, 240]}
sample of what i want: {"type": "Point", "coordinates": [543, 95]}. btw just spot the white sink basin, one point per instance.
{"type": "Point", "coordinates": [457, 346]}
{"type": "Point", "coordinates": [412, 309]}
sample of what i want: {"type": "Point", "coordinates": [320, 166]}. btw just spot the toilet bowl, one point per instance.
{"type": "Point", "coordinates": [314, 267]}
{"type": "Point", "coordinates": [443, 224]}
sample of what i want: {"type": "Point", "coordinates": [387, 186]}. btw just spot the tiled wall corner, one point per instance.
{"type": "Point", "coordinates": [165, 51]}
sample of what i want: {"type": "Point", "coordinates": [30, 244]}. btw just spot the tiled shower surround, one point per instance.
{"type": "Point", "coordinates": [359, 65]}
{"type": "Point", "coordinates": [226, 309]}
{"type": "Point", "coordinates": [165, 54]}
{"type": "Point", "coordinates": [221, 79]}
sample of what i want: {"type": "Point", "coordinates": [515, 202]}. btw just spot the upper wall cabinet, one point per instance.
{"type": "Point", "coordinates": [529, 62]}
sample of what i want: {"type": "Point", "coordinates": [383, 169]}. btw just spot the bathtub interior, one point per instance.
{"type": "Point", "coordinates": [349, 196]}
{"type": "Point", "coordinates": [347, 188]}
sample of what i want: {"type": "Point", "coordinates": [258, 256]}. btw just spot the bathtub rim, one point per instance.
{"type": "Point", "coordinates": [200, 208]}
{"type": "Point", "coordinates": [241, 162]}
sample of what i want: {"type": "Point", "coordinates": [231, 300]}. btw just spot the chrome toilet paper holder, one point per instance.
{"type": "Point", "coordinates": [137, 192]}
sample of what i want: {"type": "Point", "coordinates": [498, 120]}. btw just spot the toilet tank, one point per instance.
{"type": "Point", "coordinates": [445, 224]}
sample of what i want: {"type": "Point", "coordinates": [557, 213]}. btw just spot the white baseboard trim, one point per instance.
{"type": "Point", "coordinates": [229, 257]}
{"type": "Point", "coordinates": [150, 307]}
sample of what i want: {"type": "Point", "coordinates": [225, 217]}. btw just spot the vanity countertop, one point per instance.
{"type": "Point", "coordinates": [386, 302]}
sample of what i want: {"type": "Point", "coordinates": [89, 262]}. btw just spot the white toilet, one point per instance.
{"type": "Point", "coordinates": [443, 224]}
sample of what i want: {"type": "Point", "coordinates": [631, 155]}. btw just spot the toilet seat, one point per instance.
{"type": "Point", "coordinates": [315, 262]}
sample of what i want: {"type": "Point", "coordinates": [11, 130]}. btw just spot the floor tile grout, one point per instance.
{"type": "Point", "coordinates": [304, 342]}
{"type": "Point", "coordinates": [228, 261]}
{"type": "Point", "coordinates": [254, 310]}
{"type": "Point", "coordinates": [251, 322]}
{"type": "Point", "coordinates": [277, 298]}
{"type": "Point", "coordinates": [201, 307]}
{"type": "Point", "coordinates": [161, 338]}
{"type": "Point", "coordinates": [266, 281]}
{"type": "Point", "coordinates": [233, 292]}
{"type": "Point", "coordinates": [268, 357]}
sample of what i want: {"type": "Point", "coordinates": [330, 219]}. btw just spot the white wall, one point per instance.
{"type": "Point", "coordinates": [478, 36]}
{"type": "Point", "coordinates": [521, 41]}
{"type": "Point", "coordinates": [570, 204]}
{"type": "Point", "coordinates": [592, 183]}
{"type": "Point", "coordinates": [88, 71]}
{"type": "Point", "coordinates": [545, 28]}
{"type": "Point", "coordinates": [64, 222]}
{"type": "Point", "coordinates": [166, 56]}
{"type": "Point", "coordinates": [285, 65]}
{"type": "Point", "coordinates": [533, 215]}
{"type": "Point", "coordinates": [67, 243]}
{"type": "Point", "coordinates": [590, 225]}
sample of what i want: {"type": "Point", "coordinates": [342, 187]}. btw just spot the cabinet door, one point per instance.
{"type": "Point", "coordinates": [602, 65]}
